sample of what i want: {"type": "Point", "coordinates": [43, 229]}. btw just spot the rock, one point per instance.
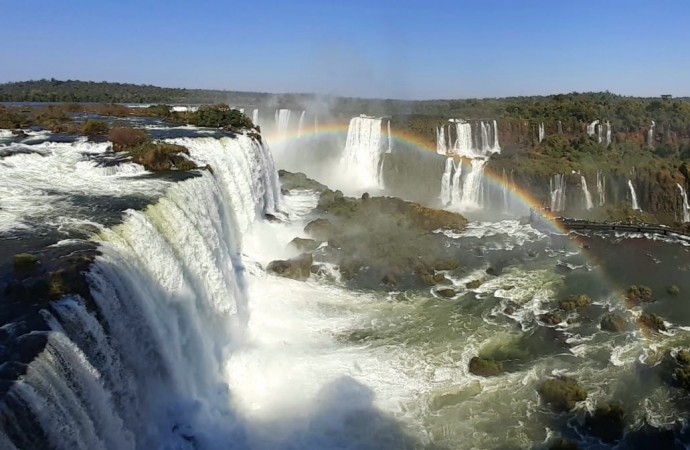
{"type": "Point", "coordinates": [683, 357]}
{"type": "Point", "coordinates": [440, 278]}
{"type": "Point", "coordinates": [638, 294]}
{"type": "Point", "coordinates": [561, 393]}
{"type": "Point", "coordinates": [296, 268]}
{"type": "Point", "coordinates": [447, 264]}
{"type": "Point", "coordinates": [24, 264]}
{"type": "Point", "coordinates": [474, 284]}
{"type": "Point", "coordinates": [349, 268]}
{"type": "Point", "coordinates": [562, 444]}
{"type": "Point", "coordinates": [511, 308]}
{"type": "Point", "coordinates": [271, 218]}
{"type": "Point", "coordinates": [365, 196]}
{"type": "Point", "coordinates": [284, 191]}
{"type": "Point", "coordinates": [20, 134]}
{"type": "Point", "coordinates": [551, 318]}
{"type": "Point", "coordinates": [303, 245]}
{"type": "Point", "coordinates": [446, 292]}
{"type": "Point", "coordinates": [485, 367]}
{"type": "Point", "coordinates": [425, 277]}
{"type": "Point", "coordinates": [491, 271]}
{"type": "Point", "coordinates": [389, 279]}
{"type": "Point", "coordinates": [299, 180]}
{"type": "Point", "coordinates": [613, 323]}
{"type": "Point", "coordinates": [651, 322]}
{"type": "Point", "coordinates": [320, 229]}
{"type": "Point", "coordinates": [607, 423]}
{"type": "Point", "coordinates": [673, 290]}
{"type": "Point", "coordinates": [574, 301]}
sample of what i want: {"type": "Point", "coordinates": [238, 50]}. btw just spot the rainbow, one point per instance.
{"type": "Point", "coordinates": [340, 129]}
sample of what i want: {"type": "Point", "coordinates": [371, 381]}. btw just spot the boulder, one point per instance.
{"type": "Point", "coordinates": [607, 423]}
{"type": "Point", "coordinates": [491, 271]}
{"type": "Point", "coordinates": [561, 393]}
{"type": "Point", "coordinates": [673, 290]}
{"type": "Point", "coordinates": [303, 245]}
{"type": "Point", "coordinates": [446, 292]}
{"type": "Point", "coordinates": [574, 301]}
{"type": "Point", "coordinates": [474, 284]}
{"type": "Point", "coordinates": [298, 180]}
{"type": "Point", "coordinates": [551, 318]}
{"type": "Point", "coordinates": [24, 264]}
{"type": "Point", "coordinates": [320, 229]}
{"type": "Point", "coordinates": [613, 323]}
{"type": "Point", "coordinates": [485, 367]}
{"type": "Point", "coordinates": [651, 322]}
{"type": "Point", "coordinates": [298, 268]}
{"type": "Point", "coordinates": [638, 294]}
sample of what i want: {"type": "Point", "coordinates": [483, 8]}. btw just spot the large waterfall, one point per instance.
{"type": "Point", "coordinates": [390, 138]}
{"type": "Point", "coordinates": [446, 182]}
{"type": "Point", "coordinates": [542, 132]}
{"type": "Point", "coordinates": [601, 187]}
{"type": "Point", "coordinates": [441, 147]}
{"type": "Point", "coordinates": [557, 192]}
{"type": "Point", "coordinates": [686, 207]}
{"type": "Point", "coordinates": [146, 369]}
{"type": "Point", "coordinates": [633, 196]}
{"type": "Point", "coordinates": [282, 121]}
{"type": "Point", "coordinates": [586, 194]}
{"type": "Point", "coordinates": [362, 155]}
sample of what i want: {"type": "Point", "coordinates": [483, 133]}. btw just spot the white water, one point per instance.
{"type": "Point", "coordinates": [686, 207]}
{"type": "Point", "coordinates": [601, 187]}
{"type": "Point", "coordinates": [557, 192]}
{"type": "Point", "coordinates": [633, 196]}
{"type": "Point", "coordinates": [446, 180]}
{"type": "Point", "coordinates": [650, 135]}
{"type": "Point", "coordinates": [300, 124]}
{"type": "Point", "coordinates": [282, 121]}
{"type": "Point", "coordinates": [471, 189]}
{"type": "Point", "coordinates": [390, 139]}
{"type": "Point", "coordinates": [441, 148]}
{"type": "Point", "coordinates": [560, 127]}
{"type": "Point", "coordinates": [607, 140]}
{"type": "Point", "coordinates": [591, 128]}
{"type": "Point", "coordinates": [362, 155]}
{"type": "Point", "coordinates": [255, 117]}
{"type": "Point", "coordinates": [542, 133]}
{"type": "Point", "coordinates": [585, 192]}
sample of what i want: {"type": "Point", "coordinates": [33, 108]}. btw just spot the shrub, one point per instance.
{"type": "Point", "coordinates": [613, 323]}
{"type": "Point", "coordinates": [94, 127]}
{"type": "Point", "coordinates": [218, 116]}
{"type": "Point", "coordinates": [651, 322]}
{"type": "Point", "coordinates": [562, 393]}
{"type": "Point", "coordinates": [126, 137]}
{"type": "Point", "coordinates": [574, 301]}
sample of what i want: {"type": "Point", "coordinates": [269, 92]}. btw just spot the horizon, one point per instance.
{"type": "Point", "coordinates": [396, 51]}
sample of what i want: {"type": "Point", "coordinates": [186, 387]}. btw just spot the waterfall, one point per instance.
{"type": "Point", "coordinates": [591, 128]}
{"type": "Point", "coordinates": [362, 155]}
{"type": "Point", "coordinates": [541, 132]}
{"type": "Point", "coordinates": [588, 197]}
{"type": "Point", "coordinates": [650, 135]}
{"type": "Point", "coordinates": [255, 117]}
{"type": "Point", "coordinates": [282, 121]}
{"type": "Point", "coordinates": [599, 133]}
{"type": "Point", "coordinates": [446, 183]}
{"type": "Point", "coordinates": [557, 192]}
{"type": "Point", "coordinates": [146, 370]}
{"type": "Point", "coordinates": [686, 207]}
{"type": "Point", "coordinates": [463, 142]}
{"type": "Point", "coordinates": [441, 148]}
{"type": "Point", "coordinates": [300, 124]}
{"type": "Point", "coordinates": [633, 196]}
{"type": "Point", "coordinates": [560, 127]}
{"type": "Point", "coordinates": [390, 139]}
{"type": "Point", "coordinates": [471, 189]}
{"type": "Point", "coordinates": [601, 187]}
{"type": "Point", "coordinates": [607, 140]}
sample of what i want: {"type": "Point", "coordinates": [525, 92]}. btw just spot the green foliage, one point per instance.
{"type": "Point", "coordinates": [220, 115]}
{"type": "Point", "coordinates": [24, 263]}
{"type": "Point", "coordinates": [94, 127]}
{"type": "Point", "coordinates": [574, 301]}
{"type": "Point", "coordinates": [651, 322]}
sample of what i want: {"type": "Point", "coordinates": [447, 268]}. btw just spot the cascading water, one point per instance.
{"type": "Point", "coordinates": [471, 190]}
{"type": "Point", "coordinates": [456, 185]}
{"type": "Point", "coordinates": [446, 180]}
{"type": "Point", "coordinates": [541, 132]}
{"type": "Point", "coordinates": [607, 138]}
{"type": "Point", "coordinates": [282, 121]}
{"type": "Point", "coordinates": [300, 124]}
{"type": "Point", "coordinates": [463, 145]}
{"type": "Point", "coordinates": [169, 289]}
{"type": "Point", "coordinates": [560, 127]}
{"type": "Point", "coordinates": [255, 117]}
{"type": "Point", "coordinates": [601, 187]}
{"type": "Point", "coordinates": [633, 196]}
{"type": "Point", "coordinates": [650, 135]}
{"type": "Point", "coordinates": [686, 207]}
{"type": "Point", "coordinates": [591, 128]}
{"type": "Point", "coordinates": [390, 138]}
{"type": "Point", "coordinates": [557, 192]}
{"type": "Point", "coordinates": [586, 194]}
{"type": "Point", "coordinates": [441, 148]}
{"type": "Point", "coordinates": [362, 155]}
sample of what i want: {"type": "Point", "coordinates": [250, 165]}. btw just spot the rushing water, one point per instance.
{"type": "Point", "coordinates": [190, 344]}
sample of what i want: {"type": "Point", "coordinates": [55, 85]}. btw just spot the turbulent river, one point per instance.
{"type": "Point", "coordinates": [188, 343]}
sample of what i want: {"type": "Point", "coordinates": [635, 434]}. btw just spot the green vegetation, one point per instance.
{"type": "Point", "coordinates": [638, 294]}
{"type": "Point", "coordinates": [24, 263]}
{"type": "Point", "coordinates": [613, 323]}
{"type": "Point", "coordinates": [485, 367]}
{"type": "Point", "coordinates": [94, 128]}
{"type": "Point", "coordinates": [651, 322]}
{"type": "Point", "coordinates": [673, 290]}
{"type": "Point", "coordinates": [562, 393]}
{"type": "Point", "coordinates": [153, 155]}
{"type": "Point", "coordinates": [574, 301]}
{"type": "Point", "coordinates": [219, 116]}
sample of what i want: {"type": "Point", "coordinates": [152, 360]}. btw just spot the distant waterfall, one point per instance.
{"type": "Point", "coordinates": [560, 127]}
{"type": "Point", "coordinates": [588, 197]}
{"type": "Point", "coordinates": [557, 192]}
{"type": "Point", "coordinates": [607, 139]}
{"type": "Point", "coordinates": [390, 139]}
{"type": "Point", "coordinates": [446, 183]}
{"type": "Point", "coordinates": [463, 145]}
{"type": "Point", "coordinates": [300, 124]}
{"type": "Point", "coordinates": [650, 135]}
{"type": "Point", "coordinates": [441, 148]}
{"type": "Point", "coordinates": [633, 196]}
{"type": "Point", "coordinates": [592, 128]}
{"type": "Point", "coordinates": [601, 187]}
{"type": "Point", "coordinates": [456, 185]}
{"type": "Point", "coordinates": [282, 121]}
{"type": "Point", "coordinates": [471, 189]}
{"type": "Point", "coordinates": [541, 132]}
{"type": "Point", "coordinates": [686, 207]}
{"type": "Point", "coordinates": [255, 117]}
{"type": "Point", "coordinates": [362, 155]}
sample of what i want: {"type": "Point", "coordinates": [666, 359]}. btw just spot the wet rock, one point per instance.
{"type": "Point", "coordinates": [673, 290]}
{"type": "Point", "coordinates": [446, 264]}
{"type": "Point", "coordinates": [271, 218]}
{"type": "Point", "coordinates": [426, 277]}
{"type": "Point", "coordinates": [562, 444]}
{"type": "Point", "coordinates": [561, 393]}
{"type": "Point", "coordinates": [24, 264]}
{"type": "Point", "coordinates": [485, 367]}
{"type": "Point", "coordinates": [607, 423]}
{"type": "Point", "coordinates": [349, 268]}
{"type": "Point", "coordinates": [320, 229]}
{"type": "Point", "coordinates": [511, 308]}
{"type": "Point", "coordinates": [474, 284]}
{"type": "Point", "coordinates": [492, 271]}
{"type": "Point", "coordinates": [20, 134]}
{"type": "Point", "coordinates": [366, 196]}
{"type": "Point", "coordinates": [284, 191]}
{"type": "Point", "coordinates": [638, 294]}
{"type": "Point", "coordinates": [299, 180]}
{"type": "Point", "coordinates": [389, 279]}
{"type": "Point", "coordinates": [683, 357]}
{"type": "Point", "coordinates": [574, 301]}
{"type": "Point", "coordinates": [296, 268]}
{"type": "Point", "coordinates": [613, 323]}
{"type": "Point", "coordinates": [440, 278]}
{"type": "Point", "coordinates": [446, 292]}
{"type": "Point", "coordinates": [551, 318]}
{"type": "Point", "coordinates": [303, 245]}
{"type": "Point", "coordinates": [651, 322]}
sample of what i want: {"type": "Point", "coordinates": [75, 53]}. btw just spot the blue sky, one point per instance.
{"type": "Point", "coordinates": [371, 48]}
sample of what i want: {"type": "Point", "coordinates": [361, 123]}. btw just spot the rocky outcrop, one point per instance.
{"type": "Point", "coordinates": [613, 323]}
{"type": "Point", "coordinates": [607, 422]}
{"type": "Point", "coordinates": [298, 268]}
{"type": "Point", "coordinates": [574, 301]}
{"type": "Point", "coordinates": [561, 393]}
{"type": "Point", "coordinates": [290, 181]}
{"type": "Point", "coordinates": [485, 367]}
{"type": "Point", "coordinates": [303, 245]}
